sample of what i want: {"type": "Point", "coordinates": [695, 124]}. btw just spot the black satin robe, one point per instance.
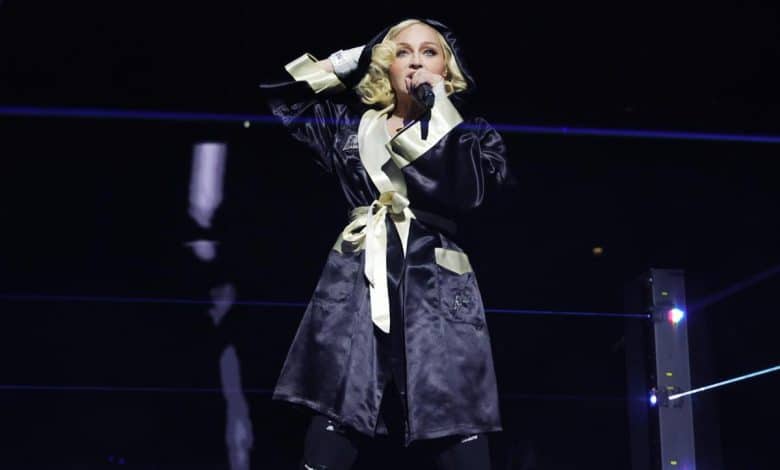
{"type": "Point", "coordinates": [333, 365]}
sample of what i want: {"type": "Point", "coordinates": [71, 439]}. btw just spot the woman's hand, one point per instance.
{"type": "Point", "coordinates": [421, 76]}
{"type": "Point", "coordinates": [344, 62]}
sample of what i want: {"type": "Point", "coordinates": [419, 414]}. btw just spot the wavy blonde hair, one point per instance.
{"type": "Point", "coordinates": [375, 88]}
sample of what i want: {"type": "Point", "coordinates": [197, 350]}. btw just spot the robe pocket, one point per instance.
{"type": "Point", "coordinates": [459, 296]}
{"type": "Point", "coordinates": [339, 276]}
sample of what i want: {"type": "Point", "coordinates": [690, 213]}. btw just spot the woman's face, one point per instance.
{"type": "Point", "coordinates": [417, 47]}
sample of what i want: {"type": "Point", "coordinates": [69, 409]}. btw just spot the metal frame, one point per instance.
{"type": "Point", "coordinates": [657, 358]}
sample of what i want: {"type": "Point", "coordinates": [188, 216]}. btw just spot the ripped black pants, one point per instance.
{"type": "Point", "coordinates": [328, 446]}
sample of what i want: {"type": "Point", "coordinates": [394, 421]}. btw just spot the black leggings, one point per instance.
{"type": "Point", "coordinates": [330, 446]}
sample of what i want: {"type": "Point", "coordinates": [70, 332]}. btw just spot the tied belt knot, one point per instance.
{"type": "Point", "coordinates": [367, 227]}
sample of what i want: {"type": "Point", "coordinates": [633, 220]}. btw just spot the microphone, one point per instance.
{"type": "Point", "coordinates": [424, 95]}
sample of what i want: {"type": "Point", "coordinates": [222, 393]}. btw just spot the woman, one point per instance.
{"type": "Point", "coordinates": [394, 339]}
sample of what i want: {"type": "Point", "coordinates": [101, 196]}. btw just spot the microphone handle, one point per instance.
{"type": "Point", "coordinates": [424, 94]}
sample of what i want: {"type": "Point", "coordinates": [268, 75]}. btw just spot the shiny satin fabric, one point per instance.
{"type": "Point", "coordinates": [305, 69]}
{"type": "Point", "coordinates": [334, 366]}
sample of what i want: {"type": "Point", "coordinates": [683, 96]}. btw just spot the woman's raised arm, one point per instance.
{"type": "Point", "coordinates": [301, 101]}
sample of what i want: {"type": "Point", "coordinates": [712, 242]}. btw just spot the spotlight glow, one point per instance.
{"type": "Point", "coordinates": [653, 398]}
{"type": "Point", "coordinates": [675, 315]}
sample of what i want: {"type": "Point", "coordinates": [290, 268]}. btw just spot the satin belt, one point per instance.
{"type": "Point", "coordinates": [368, 227]}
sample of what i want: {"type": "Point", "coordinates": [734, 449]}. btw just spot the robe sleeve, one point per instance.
{"type": "Point", "coordinates": [300, 102]}
{"type": "Point", "coordinates": [458, 163]}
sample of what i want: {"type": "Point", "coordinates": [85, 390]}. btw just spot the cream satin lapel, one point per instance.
{"type": "Point", "coordinates": [383, 171]}
{"type": "Point", "coordinates": [372, 151]}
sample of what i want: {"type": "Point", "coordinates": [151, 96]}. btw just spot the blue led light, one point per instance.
{"type": "Point", "coordinates": [676, 315]}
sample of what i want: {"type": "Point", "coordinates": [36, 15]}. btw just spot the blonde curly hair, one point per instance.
{"type": "Point", "coordinates": [375, 88]}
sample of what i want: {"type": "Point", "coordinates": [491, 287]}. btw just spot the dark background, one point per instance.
{"type": "Point", "coordinates": [97, 207]}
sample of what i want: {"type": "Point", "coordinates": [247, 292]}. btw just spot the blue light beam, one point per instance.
{"type": "Point", "coordinates": [725, 382]}
{"type": "Point", "coordinates": [93, 113]}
